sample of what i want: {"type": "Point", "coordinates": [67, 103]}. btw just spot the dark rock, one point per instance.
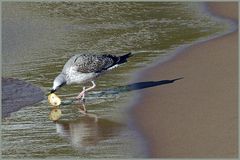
{"type": "Point", "coordinates": [17, 94]}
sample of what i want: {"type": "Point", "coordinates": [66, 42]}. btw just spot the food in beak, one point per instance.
{"type": "Point", "coordinates": [54, 100]}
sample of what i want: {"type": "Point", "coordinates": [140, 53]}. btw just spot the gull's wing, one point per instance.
{"type": "Point", "coordinates": [91, 63]}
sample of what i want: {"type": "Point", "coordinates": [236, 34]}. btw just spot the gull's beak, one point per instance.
{"type": "Point", "coordinates": [52, 90]}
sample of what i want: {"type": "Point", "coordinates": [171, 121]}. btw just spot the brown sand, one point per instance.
{"type": "Point", "coordinates": [195, 117]}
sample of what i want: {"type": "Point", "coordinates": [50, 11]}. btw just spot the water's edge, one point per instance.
{"type": "Point", "coordinates": [178, 50]}
{"type": "Point", "coordinates": [134, 103]}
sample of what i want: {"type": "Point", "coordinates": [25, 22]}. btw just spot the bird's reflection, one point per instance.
{"type": "Point", "coordinates": [88, 130]}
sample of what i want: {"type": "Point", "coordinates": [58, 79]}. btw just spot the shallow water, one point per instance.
{"type": "Point", "coordinates": [37, 40]}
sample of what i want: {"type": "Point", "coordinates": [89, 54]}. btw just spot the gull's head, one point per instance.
{"type": "Point", "coordinates": [58, 82]}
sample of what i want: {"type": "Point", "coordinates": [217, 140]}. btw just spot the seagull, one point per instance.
{"type": "Point", "coordinates": [83, 68]}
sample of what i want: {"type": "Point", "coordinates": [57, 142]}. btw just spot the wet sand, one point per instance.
{"type": "Point", "coordinates": [197, 116]}
{"type": "Point", "coordinates": [17, 94]}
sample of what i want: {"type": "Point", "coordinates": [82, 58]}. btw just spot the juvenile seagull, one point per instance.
{"type": "Point", "coordinates": [83, 68]}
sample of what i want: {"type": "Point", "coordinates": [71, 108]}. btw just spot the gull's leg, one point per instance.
{"type": "Point", "coordinates": [82, 94]}
{"type": "Point", "coordinates": [93, 86]}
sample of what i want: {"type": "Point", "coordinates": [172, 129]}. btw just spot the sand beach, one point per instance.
{"type": "Point", "coordinates": [197, 116]}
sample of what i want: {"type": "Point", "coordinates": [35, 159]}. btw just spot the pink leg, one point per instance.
{"type": "Point", "coordinates": [82, 94]}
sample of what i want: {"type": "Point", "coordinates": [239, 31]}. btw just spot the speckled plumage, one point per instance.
{"type": "Point", "coordinates": [85, 63]}
{"type": "Point", "coordinates": [82, 68]}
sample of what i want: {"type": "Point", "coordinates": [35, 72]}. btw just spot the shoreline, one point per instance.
{"type": "Point", "coordinates": [172, 54]}
{"type": "Point", "coordinates": [153, 114]}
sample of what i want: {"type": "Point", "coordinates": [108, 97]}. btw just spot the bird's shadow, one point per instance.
{"type": "Point", "coordinates": [139, 86]}
{"type": "Point", "coordinates": [143, 85]}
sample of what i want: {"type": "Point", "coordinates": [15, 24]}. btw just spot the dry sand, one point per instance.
{"type": "Point", "coordinates": [195, 117]}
